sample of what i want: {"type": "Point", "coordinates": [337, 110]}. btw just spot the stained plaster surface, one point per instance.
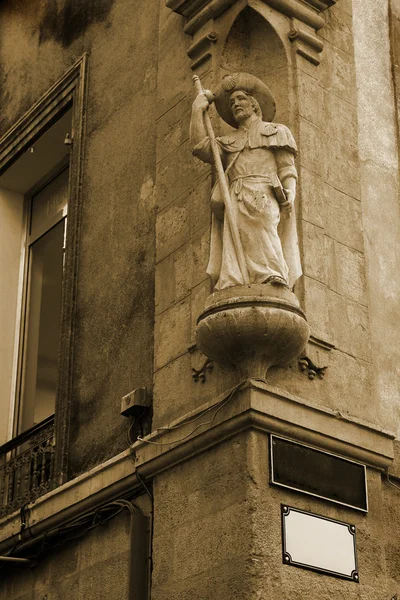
{"type": "Point", "coordinates": [113, 326]}
{"type": "Point", "coordinates": [378, 151]}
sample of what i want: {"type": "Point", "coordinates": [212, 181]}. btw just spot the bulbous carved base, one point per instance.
{"type": "Point", "coordinates": [252, 327]}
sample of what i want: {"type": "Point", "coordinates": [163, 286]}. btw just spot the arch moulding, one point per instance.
{"type": "Point", "coordinates": [201, 18]}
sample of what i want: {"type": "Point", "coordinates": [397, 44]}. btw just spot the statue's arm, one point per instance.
{"type": "Point", "coordinates": [287, 174]}
{"type": "Point", "coordinates": [199, 140]}
{"type": "Point", "coordinates": [197, 128]}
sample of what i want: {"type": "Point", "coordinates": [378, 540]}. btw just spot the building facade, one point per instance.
{"type": "Point", "coordinates": [132, 465]}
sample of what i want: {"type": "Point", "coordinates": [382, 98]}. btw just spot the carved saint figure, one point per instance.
{"type": "Point", "coordinates": [258, 158]}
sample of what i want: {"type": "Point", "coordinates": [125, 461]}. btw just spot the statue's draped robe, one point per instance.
{"type": "Point", "coordinates": [252, 159]}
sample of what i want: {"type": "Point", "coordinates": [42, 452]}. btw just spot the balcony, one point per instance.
{"type": "Point", "coordinates": [26, 466]}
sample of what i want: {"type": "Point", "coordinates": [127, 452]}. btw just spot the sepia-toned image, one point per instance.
{"type": "Point", "coordinates": [199, 300]}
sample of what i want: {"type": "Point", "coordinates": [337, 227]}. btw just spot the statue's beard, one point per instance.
{"type": "Point", "coordinates": [243, 114]}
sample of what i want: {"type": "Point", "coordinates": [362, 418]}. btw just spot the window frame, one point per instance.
{"type": "Point", "coordinates": [68, 92]}
{"type": "Point", "coordinates": [23, 316]}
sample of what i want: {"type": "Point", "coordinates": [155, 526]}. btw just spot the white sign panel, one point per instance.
{"type": "Point", "coordinates": [314, 542]}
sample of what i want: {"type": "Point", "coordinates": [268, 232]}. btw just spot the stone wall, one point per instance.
{"type": "Point", "coordinates": [331, 224]}
{"type": "Point", "coordinates": [92, 568]}
{"type": "Point", "coordinates": [218, 532]}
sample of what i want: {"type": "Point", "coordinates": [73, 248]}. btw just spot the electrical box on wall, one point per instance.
{"type": "Point", "coordinates": [135, 402]}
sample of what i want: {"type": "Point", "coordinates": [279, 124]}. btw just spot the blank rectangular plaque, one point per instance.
{"type": "Point", "coordinates": [305, 469]}
{"type": "Point", "coordinates": [318, 543]}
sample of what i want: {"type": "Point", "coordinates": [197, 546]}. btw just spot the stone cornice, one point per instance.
{"type": "Point", "coordinates": [255, 406]}
{"type": "Point", "coordinates": [112, 479]}
{"type": "Point", "coordinates": [264, 408]}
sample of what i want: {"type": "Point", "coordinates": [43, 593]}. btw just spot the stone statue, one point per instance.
{"type": "Point", "coordinates": [258, 159]}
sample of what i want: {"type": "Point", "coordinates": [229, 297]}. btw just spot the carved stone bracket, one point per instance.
{"type": "Point", "coordinates": [307, 365]}
{"type": "Point", "coordinates": [201, 364]}
{"type": "Point", "coordinates": [200, 374]}
{"type": "Point", "coordinates": [306, 19]}
{"type": "Point", "coordinates": [318, 350]}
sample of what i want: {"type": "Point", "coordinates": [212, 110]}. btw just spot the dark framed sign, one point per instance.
{"type": "Point", "coordinates": [318, 543]}
{"type": "Point", "coordinates": [305, 469]}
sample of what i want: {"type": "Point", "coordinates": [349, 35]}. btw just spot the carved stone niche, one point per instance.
{"type": "Point", "coordinates": [305, 18]}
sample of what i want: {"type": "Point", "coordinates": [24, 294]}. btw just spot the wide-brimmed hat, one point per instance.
{"type": "Point", "coordinates": [250, 84]}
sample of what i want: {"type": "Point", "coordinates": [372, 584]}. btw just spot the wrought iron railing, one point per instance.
{"type": "Point", "coordinates": [26, 466]}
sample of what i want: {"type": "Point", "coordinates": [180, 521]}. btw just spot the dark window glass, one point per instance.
{"type": "Point", "coordinates": [43, 303]}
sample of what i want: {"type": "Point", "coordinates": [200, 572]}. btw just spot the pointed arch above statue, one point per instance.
{"type": "Point", "coordinates": [303, 20]}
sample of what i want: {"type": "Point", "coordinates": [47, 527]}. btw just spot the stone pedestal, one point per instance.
{"type": "Point", "coordinates": [252, 327]}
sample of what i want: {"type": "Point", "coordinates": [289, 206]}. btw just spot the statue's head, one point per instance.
{"type": "Point", "coordinates": [243, 105]}
{"type": "Point", "coordinates": [246, 91]}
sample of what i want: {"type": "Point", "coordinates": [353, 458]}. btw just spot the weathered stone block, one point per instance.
{"type": "Point", "coordinates": [314, 264]}
{"type": "Point", "coordinates": [115, 303]}
{"type": "Point", "coordinates": [215, 540]}
{"type": "Point", "coordinates": [172, 333]}
{"type": "Point", "coordinates": [316, 308]}
{"type": "Point", "coordinates": [201, 251]}
{"type": "Point", "coordinates": [184, 265]}
{"type": "Point", "coordinates": [104, 542]}
{"type": "Point", "coordinates": [311, 144]}
{"type": "Point", "coordinates": [227, 579]}
{"type": "Point", "coordinates": [164, 284]}
{"type": "Point", "coordinates": [340, 119]}
{"type": "Point", "coordinates": [305, 66]}
{"type": "Point", "coordinates": [311, 99]}
{"type": "Point", "coordinates": [293, 380]}
{"type": "Point", "coordinates": [174, 277]}
{"type": "Point", "coordinates": [343, 218]}
{"type": "Point", "coordinates": [378, 137]}
{"type": "Point", "coordinates": [212, 482]}
{"type": "Point", "coordinates": [108, 579]}
{"type": "Point", "coordinates": [172, 228]}
{"type": "Point", "coordinates": [199, 296]}
{"type": "Point", "coordinates": [174, 79]}
{"type": "Point", "coordinates": [337, 73]}
{"type": "Point", "coordinates": [338, 26]}
{"type": "Point", "coordinates": [348, 386]}
{"type": "Point", "coordinates": [176, 393]}
{"type": "Point", "coordinates": [342, 167]}
{"type": "Point", "coordinates": [173, 128]}
{"type": "Point", "coordinates": [346, 6]}
{"type": "Point", "coordinates": [177, 173]}
{"type": "Point", "coordinates": [346, 271]}
{"type": "Point", "coordinates": [349, 326]}
{"type": "Point", "coordinates": [312, 197]}
{"type": "Point", "coordinates": [172, 391]}
{"type": "Point", "coordinates": [199, 203]}
{"type": "Point", "coordinates": [275, 80]}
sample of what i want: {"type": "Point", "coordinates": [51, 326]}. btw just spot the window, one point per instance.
{"type": "Point", "coordinates": [47, 210]}
{"type": "Point", "coordinates": [40, 175]}
{"type": "Point", "coordinates": [34, 195]}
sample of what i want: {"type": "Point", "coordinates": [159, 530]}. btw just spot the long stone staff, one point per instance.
{"type": "Point", "coordinates": [223, 183]}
